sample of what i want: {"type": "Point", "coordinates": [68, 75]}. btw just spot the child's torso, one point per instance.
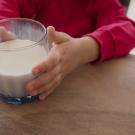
{"type": "Point", "coordinates": [72, 16]}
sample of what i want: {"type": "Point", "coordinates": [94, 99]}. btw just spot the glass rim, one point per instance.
{"type": "Point", "coordinates": [28, 46]}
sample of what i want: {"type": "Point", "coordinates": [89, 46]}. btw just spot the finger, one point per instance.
{"type": "Point", "coordinates": [52, 60]}
{"type": "Point", "coordinates": [6, 35]}
{"type": "Point", "coordinates": [50, 34]}
{"type": "Point", "coordinates": [46, 87]}
{"type": "Point", "coordinates": [37, 83]}
{"type": "Point", "coordinates": [55, 36]}
{"type": "Point", "coordinates": [44, 95]}
{"type": "Point", "coordinates": [44, 79]}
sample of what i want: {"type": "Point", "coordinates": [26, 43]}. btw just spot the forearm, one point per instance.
{"type": "Point", "coordinates": [114, 32]}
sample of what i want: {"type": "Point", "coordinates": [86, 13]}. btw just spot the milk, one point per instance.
{"type": "Point", "coordinates": [16, 65]}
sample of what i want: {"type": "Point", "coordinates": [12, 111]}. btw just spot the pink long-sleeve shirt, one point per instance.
{"type": "Point", "coordinates": [105, 21]}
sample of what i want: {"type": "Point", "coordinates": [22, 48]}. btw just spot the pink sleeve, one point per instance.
{"type": "Point", "coordinates": [9, 8]}
{"type": "Point", "coordinates": [114, 32]}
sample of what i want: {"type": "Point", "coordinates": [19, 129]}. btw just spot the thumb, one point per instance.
{"type": "Point", "coordinates": [56, 37]}
{"type": "Point", "coordinates": [6, 35]}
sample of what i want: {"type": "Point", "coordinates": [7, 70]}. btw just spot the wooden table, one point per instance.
{"type": "Point", "coordinates": [94, 100]}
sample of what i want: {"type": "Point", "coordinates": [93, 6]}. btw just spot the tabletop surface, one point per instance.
{"type": "Point", "coordinates": [94, 100]}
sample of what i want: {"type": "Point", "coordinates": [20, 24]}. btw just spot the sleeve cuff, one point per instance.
{"type": "Point", "coordinates": [106, 44]}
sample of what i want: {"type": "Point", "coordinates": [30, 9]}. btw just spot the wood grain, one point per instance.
{"type": "Point", "coordinates": [94, 100]}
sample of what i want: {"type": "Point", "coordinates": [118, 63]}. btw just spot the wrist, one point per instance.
{"type": "Point", "coordinates": [89, 49]}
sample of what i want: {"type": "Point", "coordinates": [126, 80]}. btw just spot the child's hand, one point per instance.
{"type": "Point", "coordinates": [6, 35]}
{"type": "Point", "coordinates": [66, 54]}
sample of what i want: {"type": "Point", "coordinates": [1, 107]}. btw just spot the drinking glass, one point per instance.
{"type": "Point", "coordinates": [16, 62]}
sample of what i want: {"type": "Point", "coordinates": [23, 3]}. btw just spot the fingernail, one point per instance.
{"type": "Point", "coordinates": [33, 93]}
{"type": "Point", "coordinates": [36, 71]}
{"type": "Point", "coordinates": [42, 97]}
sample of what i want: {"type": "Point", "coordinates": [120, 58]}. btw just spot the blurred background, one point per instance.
{"type": "Point", "coordinates": [131, 9]}
{"type": "Point", "coordinates": [131, 14]}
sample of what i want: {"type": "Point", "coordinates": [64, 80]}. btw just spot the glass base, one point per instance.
{"type": "Point", "coordinates": [18, 101]}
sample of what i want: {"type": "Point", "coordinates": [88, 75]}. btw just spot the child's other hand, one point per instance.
{"type": "Point", "coordinates": [66, 54]}
{"type": "Point", "coordinates": [6, 35]}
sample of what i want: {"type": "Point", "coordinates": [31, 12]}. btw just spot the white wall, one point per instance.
{"type": "Point", "coordinates": [131, 14]}
{"type": "Point", "coordinates": [131, 11]}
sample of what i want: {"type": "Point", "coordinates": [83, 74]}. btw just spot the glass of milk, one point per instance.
{"type": "Point", "coordinates": [19, 56]}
